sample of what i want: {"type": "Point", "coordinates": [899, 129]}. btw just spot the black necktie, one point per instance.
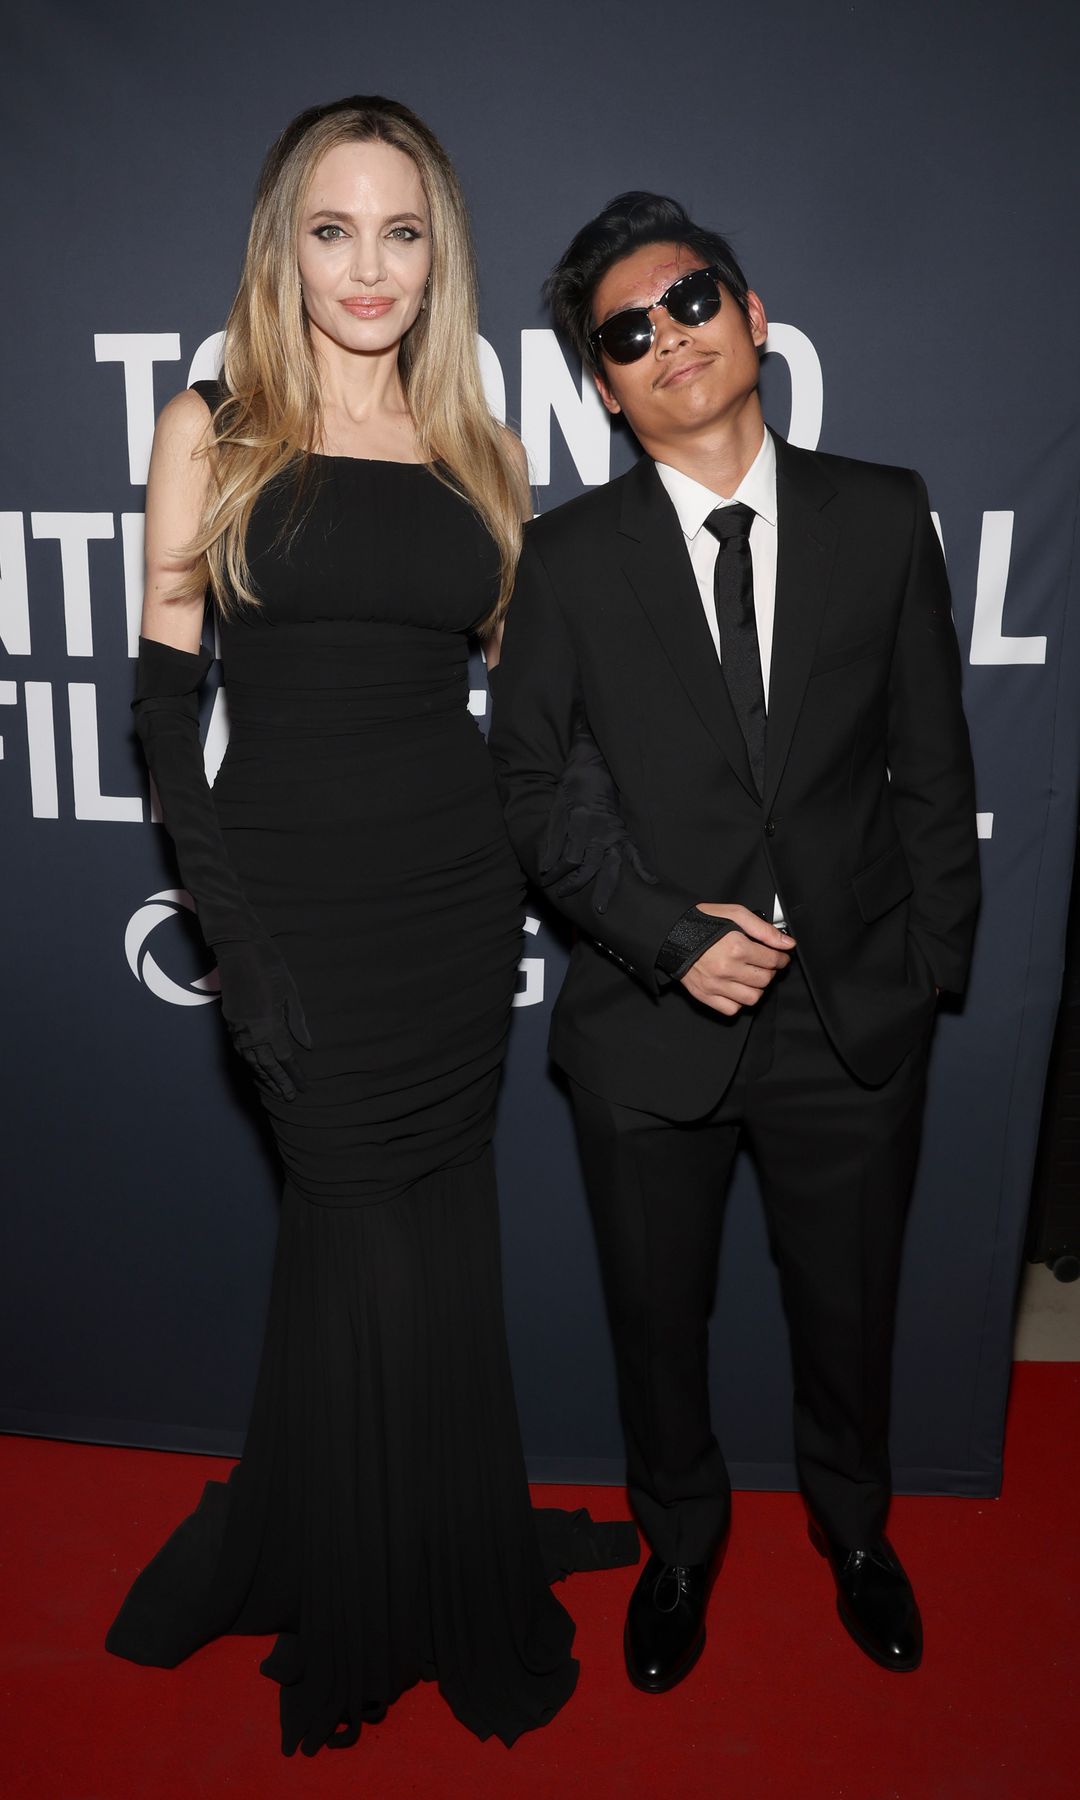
{"type": "Point", "coordinates": [740, 658]}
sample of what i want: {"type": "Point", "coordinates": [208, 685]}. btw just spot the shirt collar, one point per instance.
{"type": "Point", "coordinates": [693, 503]}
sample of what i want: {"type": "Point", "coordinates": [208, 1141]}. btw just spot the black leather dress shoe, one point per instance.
{"type": "Point", "coordinates": [665, 1623]}
{"type": "Point", "coordinates": [875, 1601]}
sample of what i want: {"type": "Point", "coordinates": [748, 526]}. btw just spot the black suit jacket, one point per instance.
{"type": "Point", "coordinates": [867, 825]}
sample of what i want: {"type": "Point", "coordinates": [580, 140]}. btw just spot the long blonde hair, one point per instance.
{"type": "Point", "coordinates": [272, 413]}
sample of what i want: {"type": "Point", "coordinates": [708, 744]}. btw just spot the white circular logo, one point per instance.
{"type": "Point", "coordinates": [153, 912]}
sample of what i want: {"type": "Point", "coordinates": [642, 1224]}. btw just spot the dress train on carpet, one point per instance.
{"type": "Point", "coordinates": [379, 1521]}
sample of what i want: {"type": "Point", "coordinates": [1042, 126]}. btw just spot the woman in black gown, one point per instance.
{"type": "Point", "coordinates": [358, 512]}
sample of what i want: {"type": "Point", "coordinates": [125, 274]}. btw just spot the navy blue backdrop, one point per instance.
{"type": "Point", "coordinates": [900, 181]}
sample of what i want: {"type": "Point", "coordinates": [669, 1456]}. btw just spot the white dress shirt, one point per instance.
{"type": "Point", "coordinates": [693, 503]}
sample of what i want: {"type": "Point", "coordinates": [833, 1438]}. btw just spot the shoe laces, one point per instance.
{"type": "Point", "coordinates": [678, 1576]}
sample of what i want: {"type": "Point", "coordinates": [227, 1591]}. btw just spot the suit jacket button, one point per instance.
{"type": "Point", "coordinates": [770, 829]}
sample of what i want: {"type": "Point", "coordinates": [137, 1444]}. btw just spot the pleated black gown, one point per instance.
{"type": "Point", "coordinates": [379, 1521]}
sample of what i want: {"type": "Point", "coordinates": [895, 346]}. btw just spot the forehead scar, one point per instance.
{"type": "Point", "coordinates": [660, 270]}
{"type": "Point", "coordinates": [660, 277]}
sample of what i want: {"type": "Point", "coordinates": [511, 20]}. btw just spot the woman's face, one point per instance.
{"type": "Point", "coordinates": [364, 247]}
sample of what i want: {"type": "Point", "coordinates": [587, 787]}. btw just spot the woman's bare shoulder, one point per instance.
{"type": "Point", "coordinates": [183, 424]}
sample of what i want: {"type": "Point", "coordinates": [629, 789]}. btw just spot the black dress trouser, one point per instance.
{"type": "Point", "coordinates": [835, 1161]}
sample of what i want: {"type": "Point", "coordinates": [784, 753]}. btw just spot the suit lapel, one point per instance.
{"type": "Point", "coordinates": [806, 546]}
{"type": "Point", "coordinates": [658, 567]}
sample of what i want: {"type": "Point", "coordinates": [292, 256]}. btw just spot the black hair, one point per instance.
{"type": "Point", "coordinates": [627, 222]}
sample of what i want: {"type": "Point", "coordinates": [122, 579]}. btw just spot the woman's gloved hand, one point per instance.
{"type": "Point", "coordinates": [261, 1007]}
{"type": "Point", "coordinates": [259, 1001]}
{"type": "Point", "coordinates": [587, 839]}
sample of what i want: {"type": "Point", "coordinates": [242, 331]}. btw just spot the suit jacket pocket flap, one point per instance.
{"type": "Point", "coordinates": [840, 656]}
{"type": "Point", "coordinates": [882, 884]}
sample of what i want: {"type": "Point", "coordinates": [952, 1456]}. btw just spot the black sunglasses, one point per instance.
{"type": "Point", "coordinates": [692, 300]}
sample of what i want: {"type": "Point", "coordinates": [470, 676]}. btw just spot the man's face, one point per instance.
{"type": "Point", "coordinates": [691, 376]}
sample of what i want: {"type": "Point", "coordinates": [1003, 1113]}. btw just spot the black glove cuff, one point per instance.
{"type": "Point", "coordinates": [163, 673]}
{"type": "Point", "coordinates": [688, 939]}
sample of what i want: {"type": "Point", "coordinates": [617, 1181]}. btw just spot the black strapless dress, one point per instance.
{"type": "Point", "coordinates": [379, 1521]}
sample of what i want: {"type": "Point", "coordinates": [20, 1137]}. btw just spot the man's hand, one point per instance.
{"type": "Point", "coordinates": [735, 971]}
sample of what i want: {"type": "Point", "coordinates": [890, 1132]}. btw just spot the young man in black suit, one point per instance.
{"type": "Point", "coordinates": [757, 642]}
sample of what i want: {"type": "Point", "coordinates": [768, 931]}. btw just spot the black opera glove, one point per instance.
{"type": "Point", "coordinates": [587, 838]}
{"type": "Point", "coordinates": [261, 1007]}
{"type": "Point", "coordinates": [259, 1001]}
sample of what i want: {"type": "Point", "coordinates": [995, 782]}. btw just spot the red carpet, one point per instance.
{"type": "Point", "coordinates": [781, 1707]}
